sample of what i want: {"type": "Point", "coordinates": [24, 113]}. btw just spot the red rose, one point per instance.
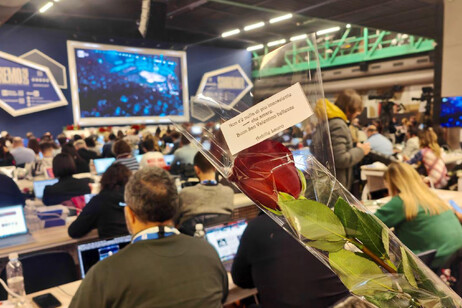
{"type": "Point", "coordinates": [264, 170]}
{"type": "Point", "coordinates": [69, 127]}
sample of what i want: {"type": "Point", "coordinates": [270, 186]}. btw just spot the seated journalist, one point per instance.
{"type": "Point", "coordinates": [67, 186]}
{"type": "Point", "coordinates": [161, 267]}
{"type": "Point", "coordinates": [422, 221]}
{"type": "Point", "coordinates": [10, 194]}
{"type": "Point", "coordinates": [104, 211]}
{"type": "Point", "coordinates": [207, 202]}
{"type": "Point", "coordinates": [285, 273]}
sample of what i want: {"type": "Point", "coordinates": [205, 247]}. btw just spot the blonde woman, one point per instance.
{"type": "Point", "coordinates": [422, 221]}
{"type": "Point", "coordinates": [430, 156]}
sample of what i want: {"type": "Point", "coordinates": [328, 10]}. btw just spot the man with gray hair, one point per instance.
{"type": "Point", "coordinates": [161, 267]}
{"type": "Point", "coordinates": [21, 154]}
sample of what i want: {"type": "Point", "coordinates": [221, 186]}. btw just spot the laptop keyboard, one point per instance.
{"type": "Point", "coordinates": [16, 240]}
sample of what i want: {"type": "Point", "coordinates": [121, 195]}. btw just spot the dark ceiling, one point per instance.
{"type": "Point", "coordinates": [203, 21]}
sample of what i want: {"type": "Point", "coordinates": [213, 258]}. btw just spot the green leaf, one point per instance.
{"type": "Point", "coordinates": [282, 197]}
{"type": "Point", "coordinates": [360, 275]}
{"type": "Point", "coordinates": [347, 216]}
{"type": "Point", "coordinates": [390, 300]}
{"type": "Point", "coordinates": [362, 226]}
{"type": "Point", "coordinates": [313, 220]}
{"type": "Point", "coordinates": [370, 233]}
{"type": "Point", "coordinates": [427, 284]}
{"type": "Point", "coordinates": [274, 211]}
{"type": "Point", "coordinates": [386, 240]}
{"type": "Point", "coordinates": [326, 245]}
{"type": "Point", "coordinates": [407, 268]}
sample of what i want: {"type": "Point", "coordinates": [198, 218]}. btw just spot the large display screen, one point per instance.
{"type": "Point", "coordinates": [451, 111]}
{"type": "Point", "coordinates": [124, 85]}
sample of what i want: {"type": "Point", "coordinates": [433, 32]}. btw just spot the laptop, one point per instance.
{"type": "Point", "coordinates": [101, 164]}
{"type": "Point", "coordinates": [39, 186]}
{"type": "Point", "coordinates": [138, 157]}
{"type": "Point", "coordinates": [90, 253]}
{"type": "Point", "coordinates": [225, 238]}
{"type": "Point", "coordinates": [168, 159]}
{"type": "Point", "coordinates": [13, 228]}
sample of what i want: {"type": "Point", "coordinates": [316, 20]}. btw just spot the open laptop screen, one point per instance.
{"type": "Point", "coordinates": [90, 253]}
{"type": "Point", "coordinates": [39, 187]}
{"type": "Point", "coordinates": [225, 238]}
{"type": "Point", "coordinates": [101, 164]}
{"type": "Point", "coordinates": [168, 159]}
{"type": "Point", "coordinates": [12, 221]}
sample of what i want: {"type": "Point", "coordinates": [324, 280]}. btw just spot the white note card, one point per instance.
{"type": "Point", "coordinates": [267, 118]}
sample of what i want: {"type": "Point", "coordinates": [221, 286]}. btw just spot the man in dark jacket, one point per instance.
{"type": "Point", "coordinates": [285, 274]}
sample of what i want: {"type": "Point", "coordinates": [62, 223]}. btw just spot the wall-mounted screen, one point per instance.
{"type": "Point", "coordinates": [451, 111]}
{"type": "Point", "coordinates": [123, 85]}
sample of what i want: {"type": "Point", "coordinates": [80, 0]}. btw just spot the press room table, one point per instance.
{"type": "Point", "coordinates": [46, 239]}
{"type": "Point", "coordinates": [65, 292]}
{"type": "Point", "coordinates": [446, 195]}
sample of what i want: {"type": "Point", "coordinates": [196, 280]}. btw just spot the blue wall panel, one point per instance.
{"type": "Point", "coordinates": [19, 40]}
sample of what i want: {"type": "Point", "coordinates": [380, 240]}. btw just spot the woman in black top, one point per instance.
{"type": "Point", "coordinates": [67, 186]}
{"type": "Point", "coordinates": [81, 165]}
{"type": "Point", "coordinates": [104, 211]}
{"type": "Point", "coordinates": [6, 159]}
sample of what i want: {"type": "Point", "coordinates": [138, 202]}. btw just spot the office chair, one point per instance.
{"type": "Point", "coordinates": [207, 219]}
{"type": "Point", "coordinates": [44, 270]}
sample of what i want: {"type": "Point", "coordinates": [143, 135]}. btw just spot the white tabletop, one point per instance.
{"type": "Point", "coordinates": [47, 238]}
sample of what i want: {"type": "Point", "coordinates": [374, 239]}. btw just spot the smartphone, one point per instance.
{"type": "Point", "coordinates": [455, 206]}
{"type": "Point", "coordinates": [46, 300]}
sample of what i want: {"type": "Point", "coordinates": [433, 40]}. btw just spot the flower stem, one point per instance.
{"type": "Point", "coordinates": [377, 259]}
{"type": "Point", "coordinates": [374, 257]}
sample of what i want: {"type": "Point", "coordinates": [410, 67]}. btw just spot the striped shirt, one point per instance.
{"type": "Point", "coordinates": [435, 166]}
{"type": "Point", "coordinates": [129, 162]}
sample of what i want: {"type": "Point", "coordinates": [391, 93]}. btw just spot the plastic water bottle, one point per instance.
{"type": "Point", "coordinates": [199, 231]}
{"type": "Point", "coordinates": [32, 220]}
{"type": "Point", "coordinates": [15, 280]}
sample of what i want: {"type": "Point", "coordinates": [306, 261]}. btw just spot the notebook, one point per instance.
{"type": "Point", "coordinates": [101, 164]}
{"type": "Point", "coordinates": [90, 253]}
{"type": "Point", "coordinates": [13, 228]}
{"type": "Point", "coordinates": [225, 238]}
{"type": "Point", "coordinates": [39, 186]}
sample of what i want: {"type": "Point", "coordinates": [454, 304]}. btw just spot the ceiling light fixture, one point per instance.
{"type": "Point", "coordinates": [298, 37]}
{"type": "Point", "coordinates": [274, 43]}
{"type": "Point", "coordinates": [231, 32]}
{"type": "Point", "coordinates": [348, 26]}
{"type": "Point", "coordinates": [280, 18]}
{"type": "Point", "coordinates": [329, 30]}
{"type": "Point", "coordinates": [44, 8]}
{"type": "Point", "coordinates": [255, 47]}
{"type": "Point", "coordinates": [254, 26]}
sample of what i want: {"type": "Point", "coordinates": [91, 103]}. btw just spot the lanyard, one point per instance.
{"type": "Point", "coordinates": [155, 233]}
{"type": "Point", "coordinates": [209, 183]}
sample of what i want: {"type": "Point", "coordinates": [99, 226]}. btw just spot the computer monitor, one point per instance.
{"type": "Point", "coordinates": [168, 159]}
{"type": "Point", "coordinates": [39, 186]}
{"type": "Point", "coordinates": [225, 238]}
{"type": "Point", "coordinates": [12, 221]}
{"type": "Point", "coordinates": [91, 253]}
{"type": "Point", "coordinates": [101, 164]}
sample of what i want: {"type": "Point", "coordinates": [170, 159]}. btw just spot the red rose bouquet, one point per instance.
{"type": "Point", "coordinates": [297, 190]}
